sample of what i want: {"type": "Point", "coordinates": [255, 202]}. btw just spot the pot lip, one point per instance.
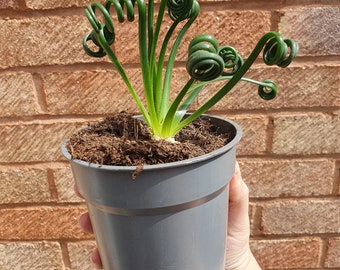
{"type": "Point", "coordinates": [189, 161]}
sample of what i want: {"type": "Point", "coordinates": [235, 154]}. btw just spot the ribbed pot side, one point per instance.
{"type": "Point", "coordinates": [171, 217]}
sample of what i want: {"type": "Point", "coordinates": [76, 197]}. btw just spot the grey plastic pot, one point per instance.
{"type": "Point", "coordinates": [172, 216]}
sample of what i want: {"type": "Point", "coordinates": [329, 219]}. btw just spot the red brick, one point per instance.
{"type": "Point", "coordinates": [89, 92]}
{"type": "Point", "coordinates": [280, 178]}
{"type": "Point", "coordinates": [93, 92]}
{"type": "Point", "coordinates": [316, 37]}
{"type": "Point", "coordinates": [287, 253]}
{"type": "Point", "coordinates": [35, 141]}
{"type": "Point", "coordinates": [80, 253]}
{"type": "Point", "coordinates": [65, 185]}
{"type": "Point", "coordinates": [312, 216]}
{"type": "Point", "coordinates": [306, 133]}
{"type": "Point", "coordinates": [229, 27]}
{"type": "Point", "coordinates": [32, 255]}
{"type": "Point", "coordinates": [42, 41]}
{"type": "Point", "coordinates": [17, 94]}
{"type": "Point", "coordinates": [24, 185]}
{"type": "Point", "coordinates": [41, 223]}
{"type": "Point", "coordinates": [253, 141]}
{"type": "Point", "coordinates": [97, 92]}
{"type": "Point", "coordinates": [38, 44]}
{"type": "Point", "coordinates": [9, 4]}
{"type": "Point", "coordinates": [232, 28]}
{"type": "Point", "coordinates": [298, 87]}
{"type": "Point", "coordinates": [333, 253]}
{"type": "Point", "coordinates": [86, 92]}
{"type": "Point", "coordinates": [338, 176]}
{"type": "Point", "coordinates": [45, 4]}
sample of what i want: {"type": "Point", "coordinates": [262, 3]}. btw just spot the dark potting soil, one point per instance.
{"type": "Point", "coordinates": [123, 140]}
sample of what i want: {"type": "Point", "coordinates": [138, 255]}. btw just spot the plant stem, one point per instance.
{"type": "Point", "coordinates": [172, 58]}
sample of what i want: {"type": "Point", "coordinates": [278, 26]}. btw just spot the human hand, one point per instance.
{"type": "Point", "coordinates": [239, 255]}
{"type": "Point", "coordinates": [86, 225]}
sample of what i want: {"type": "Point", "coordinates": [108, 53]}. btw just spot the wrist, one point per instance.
{"type": "Point", "coordinates": [245, 262]}
{"type": "Point", "coordinates": [252, 264]}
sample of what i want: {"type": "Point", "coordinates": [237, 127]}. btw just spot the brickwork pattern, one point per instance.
{"type": "Point", "coordinates": [289, 154]}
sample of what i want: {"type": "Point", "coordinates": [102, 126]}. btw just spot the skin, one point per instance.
{"type": "Point", "coordinates": [239, 255]}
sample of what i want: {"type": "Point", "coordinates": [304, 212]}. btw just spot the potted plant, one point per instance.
{"type": "Point", "coordinates": [171, 212]}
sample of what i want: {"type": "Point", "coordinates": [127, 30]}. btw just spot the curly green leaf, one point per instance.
{"type": "Point", "coordinates": [180, 10]}
{"type": "Point", "coordinates": [204, 63]}
{"type": "Point", "coordinates": [276, 51]}
{"type": "Point", "coordinates": [107, 24]}
{"type": "Point", "coordinates": [267, 90]}
{"type": "Point", "coordinates": [103, 36]}
{"type": "Point", "coordinates": [232, 60]}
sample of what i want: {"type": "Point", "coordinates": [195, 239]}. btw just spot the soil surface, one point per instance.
{"type": "Point", "coordinates": [126, 141]}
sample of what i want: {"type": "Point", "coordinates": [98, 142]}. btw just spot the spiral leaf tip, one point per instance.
{"type": "Point", "coordinates": [267, 91]}
{"type": "Point", "coordinates": [180, 10]}
{"type": "Point", "coordinates": [204, 63]}
{"type": "Point", "coordinates": [278, 51]}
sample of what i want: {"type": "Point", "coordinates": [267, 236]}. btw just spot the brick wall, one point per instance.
{"type": "Point", "coordinates": [289, 154]}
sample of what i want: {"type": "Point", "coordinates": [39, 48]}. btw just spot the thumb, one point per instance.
{"type": "Point", "coordinates": [238, 222]}
{"type": "Point", "coordinates": [238, 202]}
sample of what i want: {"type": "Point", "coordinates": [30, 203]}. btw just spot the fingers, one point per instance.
{"type": "Point", "coordinates": [85, 223]}
{"type": "Point", "coordinates": [238, 218]}
{"type": "Point", "coordinates": [238, 252]}
{"type": "Point", "coordinates": [84, 220]}
{"type": "Point", "coordinates": [238, 190]}
{"type": "Point", "coordinates": [95, 258]}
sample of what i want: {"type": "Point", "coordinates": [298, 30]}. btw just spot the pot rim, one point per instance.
{"type": "Point", "coordinates": [185, 162]}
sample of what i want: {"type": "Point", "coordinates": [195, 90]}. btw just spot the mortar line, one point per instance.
{"type": "Point", "coordinates": [52, 184]}
{"type": "Point", "coordinates": [257, 223]}
{"type": "Point", "coordinates": [323, 252]}
{"type": "Point", "coordinates": [336, 183]}
{"type": "Point", "coordinates": [300, 61]}
{"type": "Point", "coordinates": [269, 140]}
{"type": "Point", "coordinates": [275, 20]}
{"type": "Point", "coordinates": [294, 236]}
{"type": "Point", "coordinates": [39, 92]}
{"type": "Point", "coordinates": [65, 255]}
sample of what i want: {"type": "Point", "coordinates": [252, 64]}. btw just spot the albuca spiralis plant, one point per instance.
{"type": "Point", "coordinates": [207, 61]}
